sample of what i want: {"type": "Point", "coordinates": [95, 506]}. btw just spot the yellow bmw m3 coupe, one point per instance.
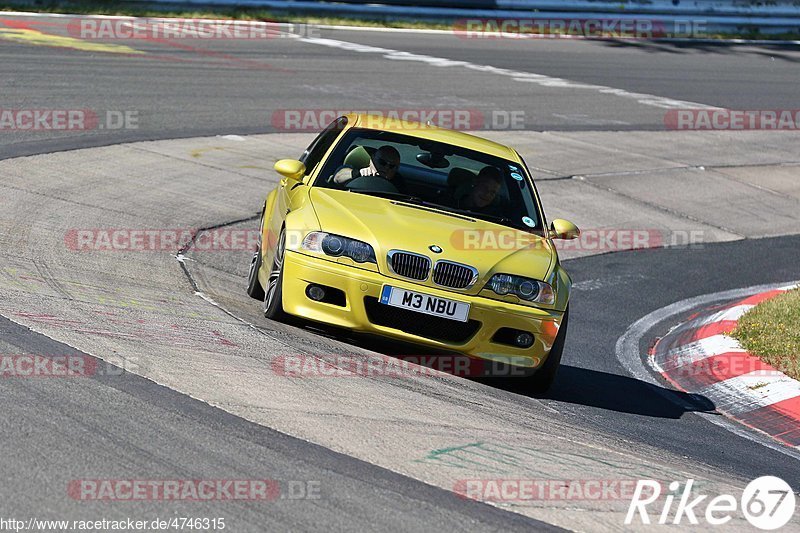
{"type": "Point", "coordinates": [420, 234]}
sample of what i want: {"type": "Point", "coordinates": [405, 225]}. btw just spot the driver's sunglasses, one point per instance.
{"type": "Point", "coordinates": [386, 164]}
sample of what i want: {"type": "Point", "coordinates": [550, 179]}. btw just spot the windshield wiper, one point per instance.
{"type": "Point", "coordinates": [419, 201]}
{"type": "Point", "coordinates": [390, 194]}
{"type": "Point", "coordinates": [411, 199]}
{"type": "Point", "coordinates": [477, 214]}
{"type": "Point", "coordinates": [469, 213]}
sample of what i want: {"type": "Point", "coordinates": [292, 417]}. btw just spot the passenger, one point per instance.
{"type": "Point", "coordinates": [482, 197]}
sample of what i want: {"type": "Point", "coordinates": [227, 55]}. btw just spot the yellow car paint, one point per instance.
{"type": "Point", "coordinates": [299, 209]}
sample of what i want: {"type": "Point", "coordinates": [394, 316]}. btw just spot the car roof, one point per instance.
{"type": "Point", "coordinates": [432, 133]}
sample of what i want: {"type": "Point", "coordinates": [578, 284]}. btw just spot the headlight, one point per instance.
{"type": "Point", "coordinates": [337, 246]}
{"type": "Point", "coordinates": [530, 290]}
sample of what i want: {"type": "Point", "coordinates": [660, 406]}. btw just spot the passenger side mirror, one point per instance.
{"type": "Point", "coordinates": [563, 229]}
{"type": "Point", "coordinates": [291, 169]}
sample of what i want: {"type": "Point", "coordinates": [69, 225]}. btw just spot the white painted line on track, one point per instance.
{"type": "Point", "coordinates": [516, 75]}
{"type": "Point", "coordinates": [629, 355]}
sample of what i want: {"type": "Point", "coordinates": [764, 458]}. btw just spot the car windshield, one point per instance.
{"type": "Point", "coordinates": [435, 175]}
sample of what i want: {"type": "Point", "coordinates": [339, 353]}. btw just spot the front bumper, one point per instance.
{"type": "Point", "coordinates": [362, 286]}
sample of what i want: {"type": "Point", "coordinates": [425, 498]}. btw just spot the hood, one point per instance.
{"type": "Point", "coordinates": [390, 224]}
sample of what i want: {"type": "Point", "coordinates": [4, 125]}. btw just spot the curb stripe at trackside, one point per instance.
{"type": "Point", "coordinates": [733, 312]}
{"type": "Point", "coordinates": [698, 357]}
{"type": "Point", "coordinates": [779, 420]}
{"type": "Point", "coordinates": [750, 391]}
{"type": "Point", "coordinates": [758, 298]}
{"type": "Point", "coordinates": [689, 335]}
{"type": "Point", "coordinates": [709, 330]}
{"type": "Point", "coordinates": [696, 351]}
{"type": "Point", "coordinates": [716, 368]}
{"type": "Point", "coordinates": [688, 330]}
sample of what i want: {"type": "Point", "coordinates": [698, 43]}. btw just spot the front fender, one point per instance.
{"type": "Point", "coordinates": [563, 286]}
{"type": "Point", "coordinates": [269, 222]}
{"type": "Point", "coordinates": [298, 222]}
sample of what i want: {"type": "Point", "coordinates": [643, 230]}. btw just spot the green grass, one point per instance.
{"type": "Point", "coordinates": [771, 331]}
{"type": "Point", "coordinates": [115, 7]}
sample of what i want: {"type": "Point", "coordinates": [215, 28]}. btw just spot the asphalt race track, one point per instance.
{"type": "Point", "coordinates": [188, 387]}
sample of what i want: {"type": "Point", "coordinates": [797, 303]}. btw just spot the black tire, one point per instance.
{"type": "Point", "coordinates": [254, 288]}
{"type": "Point", "coordinates": [544, 377]}
{"type": "Point", "coordinates": [273, 294]}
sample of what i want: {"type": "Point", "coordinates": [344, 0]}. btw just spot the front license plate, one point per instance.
{"type": "Point", "coordinates": [425, 303]}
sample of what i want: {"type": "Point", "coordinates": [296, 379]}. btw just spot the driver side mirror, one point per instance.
{"type": "Point", "coordinates": [291, 169]}
{"type": "Point", "coordinates": [563, 229]}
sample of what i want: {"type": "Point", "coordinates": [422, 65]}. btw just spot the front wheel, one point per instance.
{"type": "Point", "coordinates": [273, 295]}
{"type": "Point", "coordinates": [544, 377]}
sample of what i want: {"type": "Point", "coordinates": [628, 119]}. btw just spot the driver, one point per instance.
{"type": "Point", "coordinates": [383, 163]}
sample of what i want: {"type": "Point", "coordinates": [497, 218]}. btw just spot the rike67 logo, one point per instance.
{"type": "Point", "coordinates": [767, 503]}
